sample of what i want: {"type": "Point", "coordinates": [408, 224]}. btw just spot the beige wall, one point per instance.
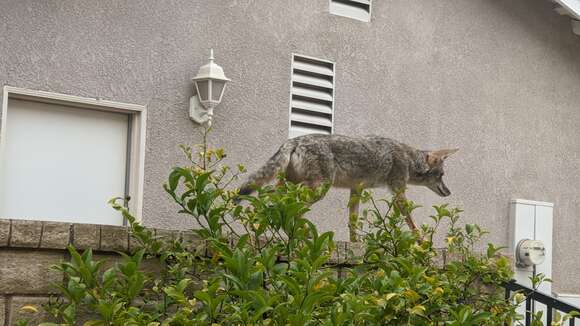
{"type": "Point", "coordinates": [497, 78]}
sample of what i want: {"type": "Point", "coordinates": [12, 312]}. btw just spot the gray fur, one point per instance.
{"type": "Point", "coordinates": [354, 163]}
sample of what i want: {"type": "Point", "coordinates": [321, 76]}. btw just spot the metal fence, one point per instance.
{"type": "Point", "coordinates": [532, 297]}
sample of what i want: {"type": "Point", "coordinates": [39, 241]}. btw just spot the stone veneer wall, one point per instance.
{"type": "Point", "coordinates": [28, 249]}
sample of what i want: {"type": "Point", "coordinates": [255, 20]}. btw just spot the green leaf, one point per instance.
{"type": "Point", "coordinates": [202, 181]}
{"type": "Point", "coordinates": [173, 180]}
{"type": "Point", "coordinates": [469, 228]}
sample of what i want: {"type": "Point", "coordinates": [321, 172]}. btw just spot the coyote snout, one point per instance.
{"type": "Point", "coordinates": [355, 163]}
{"type": "Point", "coordinates": [440, 188]}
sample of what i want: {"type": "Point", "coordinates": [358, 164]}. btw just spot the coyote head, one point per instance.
{"type": "Point", "coordinates": [432, 177]}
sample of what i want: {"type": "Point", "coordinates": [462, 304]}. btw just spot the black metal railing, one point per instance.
{"type": "Point", "coordinates": [533, 296]}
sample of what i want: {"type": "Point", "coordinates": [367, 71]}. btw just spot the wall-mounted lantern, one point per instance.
{"type": "Point", "coordinates": [210, 84]}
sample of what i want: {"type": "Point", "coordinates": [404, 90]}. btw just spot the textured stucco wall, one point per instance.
{"type": "Point", "coordinates": [497, 78]}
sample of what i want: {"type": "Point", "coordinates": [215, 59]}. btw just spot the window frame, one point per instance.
{"type": "Point", "coordinates": [137, 128]}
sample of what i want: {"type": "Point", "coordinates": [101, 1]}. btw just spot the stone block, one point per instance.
{"type": "Point", "coordinates": [166, 235]}
{"type": "Point", "coordinates": [335, 255]}
{"type": "Point", "coordinates": [2, 310]}
{"type": "Point", "coordinates": [151, 266]}
{"type": "Point", "coordinates": [25, 233]}
{"type": "Point", "coordinates": [344, 272]}
{"type": "Point", "coordinates": [55, 235]}
{"type": "Point", "coordinates": [335, 273]}
{"type": "Point", "coordinates": [4, 233]}
{"type": "Point", "coordinates": [193, 243]}
{"type": "Point", "coordinates": [114, 238]}
{"type": "Point", "coordinates": [354, 253]}
{"type": "Point", "coordinates": [148, 265]}
{"type": "Point", "coordinates": [86, 236]}
{"type": "Point", "coordinates": [29, 272]}
{"type": "Point", "coordinates": [34, 316]}
{"type": "Point", "coordinates": [133, 243]}
{"type": "Point", "coordinates": [342, 248]}
{"type": "Point", "coordinates": [109, 260]}
{"type": "Point", "coordinates": [84, 314]}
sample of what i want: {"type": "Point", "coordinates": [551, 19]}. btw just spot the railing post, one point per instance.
{"type": "Point", "coordinates": [528, 311]}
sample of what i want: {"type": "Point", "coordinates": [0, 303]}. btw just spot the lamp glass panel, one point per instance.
{"type": "Point", "coordinates": [202, 89]}
{"type": "Point", "coordinates": [217, 90]}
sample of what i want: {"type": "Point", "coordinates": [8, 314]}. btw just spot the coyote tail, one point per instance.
{"type": "Point", "coordinates": [276, 164]}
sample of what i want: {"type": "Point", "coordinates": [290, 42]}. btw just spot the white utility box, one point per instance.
{"type": "Point", "coordinates": [531, 244]}
{"type": "Point", "coordinates": [532, 220]}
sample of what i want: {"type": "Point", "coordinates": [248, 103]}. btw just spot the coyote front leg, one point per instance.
{"type": "Point", "coordinates": [401, 202]}
{"type": "Point", "coordinates": [353, 208]}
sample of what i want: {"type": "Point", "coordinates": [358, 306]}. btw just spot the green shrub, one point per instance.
{"type": "Point", "coordinates": [269, 265]}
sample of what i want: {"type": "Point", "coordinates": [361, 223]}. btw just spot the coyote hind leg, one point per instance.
{"type": "Point", "coordinates": [353, 210]}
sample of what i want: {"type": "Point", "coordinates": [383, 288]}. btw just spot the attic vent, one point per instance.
{"type": "Point", "coordinates": [355, 9]}
{"type": "Point", "coordinates": [312, 96]}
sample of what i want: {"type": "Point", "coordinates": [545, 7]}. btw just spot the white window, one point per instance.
{"type": "Point", "coordinates": [355, 9]}
{"type": "Point", "coordinates": [311, 96]}
{"type": "Point", "coordinates": [63, 157]}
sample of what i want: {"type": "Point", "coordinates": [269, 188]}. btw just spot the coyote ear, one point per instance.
{"type": "Point", "coordinates": [435, 158]}
{"type": "Point", "coordinates": [445, 153]}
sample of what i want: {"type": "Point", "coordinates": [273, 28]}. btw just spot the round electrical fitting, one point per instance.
{"type": "Point", "coordinates": [530, 252]}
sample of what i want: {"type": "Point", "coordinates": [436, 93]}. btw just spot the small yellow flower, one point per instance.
{"type": "Point", "coordinates": [411, 295]}
{"type": "Point", "coordinates": [418, 310]}
{"type": "Point", "coordinates": [429, 279]}
{"type": "Point", "coordinates": [389, 296]}
{"type": "Point", "coordinates": [29, 309]}
{"type": "Point", "coordinates": [438, 291]}
{"type": "Point", "coordinates": [320, 284]}
{"type": "Point", "coordinates": [418, 247]}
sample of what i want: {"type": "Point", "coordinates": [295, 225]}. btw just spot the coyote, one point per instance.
{"type": "Point", "coordinates": [354, 163]}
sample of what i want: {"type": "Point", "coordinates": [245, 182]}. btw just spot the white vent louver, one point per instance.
{"type": "Point", "coordinates": [311, 96]}
{"type": "Point", "coordinates": [355, 9]}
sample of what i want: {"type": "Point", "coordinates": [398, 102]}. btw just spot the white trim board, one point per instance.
{"type": "Point", "coordinates": [138, 119]}
{"type": "Point", "coordinates": [531, 202]}
{"type": "Point", "coordinates": [572, 6]}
